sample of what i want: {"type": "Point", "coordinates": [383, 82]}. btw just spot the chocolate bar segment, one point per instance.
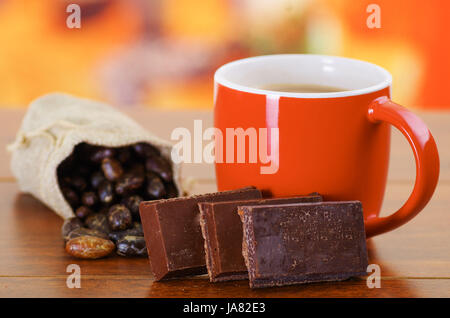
{"type": "Point", "coordinates": [302, 243]}
{"type": "Point", "coordinates": [222, 231]}
{"type": "Point", "coordinates": [173, 234]}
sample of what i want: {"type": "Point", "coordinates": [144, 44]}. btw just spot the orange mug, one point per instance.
{"type": "Point", "coordinates": [335, 143]}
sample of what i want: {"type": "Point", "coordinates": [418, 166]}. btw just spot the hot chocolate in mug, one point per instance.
{"type": "Point", "coordinates": [336, 143]}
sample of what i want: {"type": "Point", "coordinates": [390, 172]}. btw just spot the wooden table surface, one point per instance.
{"type": "Point", "coordinates": [414, 259]}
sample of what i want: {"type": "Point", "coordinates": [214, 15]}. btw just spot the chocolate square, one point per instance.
{"type": "Point", "coordinates": [303, 242]}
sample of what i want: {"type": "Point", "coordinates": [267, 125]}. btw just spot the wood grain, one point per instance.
{"type": "Point", "coordinates": [414, 260]}
{"type": "Point", "coordinates": [124, 286]}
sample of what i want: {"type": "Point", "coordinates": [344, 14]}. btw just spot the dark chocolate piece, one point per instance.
{"type": "Point", "coordinates": [173, 234]}
{"type": "Point", "coordinates": [222, 231]}
{"type": "Point", "coordinates": [301, 243]}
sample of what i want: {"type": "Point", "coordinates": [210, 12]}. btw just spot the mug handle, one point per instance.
{"type": "Point", "coordinates": [425, 154]}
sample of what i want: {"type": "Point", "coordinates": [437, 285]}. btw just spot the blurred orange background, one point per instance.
{"type": "Point", "coordinates": [163, 53]}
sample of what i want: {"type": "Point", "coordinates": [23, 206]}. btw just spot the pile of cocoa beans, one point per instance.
{"type": "Point", "coordinates": [104, 186]}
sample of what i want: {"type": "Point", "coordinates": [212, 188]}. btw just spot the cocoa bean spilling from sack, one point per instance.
{"type": "Point", "coordinates": [104, 186]}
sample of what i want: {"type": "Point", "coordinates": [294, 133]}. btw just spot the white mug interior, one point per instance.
{"type": "Point", "coordinates": [355, 77]}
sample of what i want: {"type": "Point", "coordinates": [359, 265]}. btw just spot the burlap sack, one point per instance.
{"type": "Point", "coordinates": [53, 125]}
